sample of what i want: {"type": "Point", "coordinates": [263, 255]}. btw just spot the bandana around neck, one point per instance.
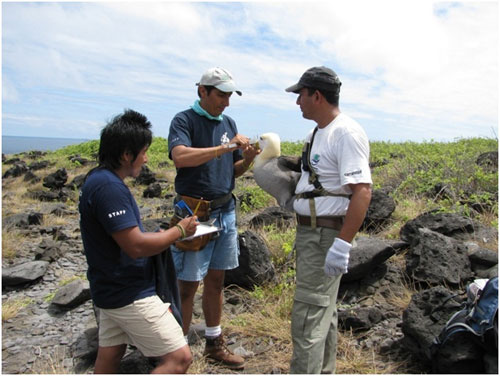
{"type": "Point", "coordinates": [200, 111]}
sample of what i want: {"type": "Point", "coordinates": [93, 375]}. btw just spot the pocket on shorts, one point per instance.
{"type": "Point", "coordinates": [311, 298]}
{"type": "Point", "coordinates": [152, 308]}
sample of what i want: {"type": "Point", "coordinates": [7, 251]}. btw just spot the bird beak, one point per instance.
{"type": "Point", "coordinates": [255, 143]}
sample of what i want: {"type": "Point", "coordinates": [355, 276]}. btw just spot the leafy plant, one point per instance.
{"type": "Point", "coordinates": [253, 197]}
{"type": "Point", "coordinates": [280, 242]}
{"type": "Point", "coordinates": [444, 173]}
{"type": "Point", "coordinates": [291, 148]}
{"type": "Point", "coordinates": [87, 149]}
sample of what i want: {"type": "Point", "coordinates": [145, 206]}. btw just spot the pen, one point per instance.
{"type": "Point", "coordinates": [196, 208]}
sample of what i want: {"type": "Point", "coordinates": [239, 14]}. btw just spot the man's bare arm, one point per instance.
{"type": "Point", "coordinates": [136, 243]}
{"type": "Point", "coordinates": [356, 212]}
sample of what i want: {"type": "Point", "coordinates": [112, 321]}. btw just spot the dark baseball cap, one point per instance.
{"type": "Point", "coordinates": [317, 78]}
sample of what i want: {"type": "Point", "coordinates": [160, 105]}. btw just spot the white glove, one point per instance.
{"type": "Point", "coordinates": [337, 258]}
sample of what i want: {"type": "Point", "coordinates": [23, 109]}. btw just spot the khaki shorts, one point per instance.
{"type": "Point", "coordinates": [147, 324]}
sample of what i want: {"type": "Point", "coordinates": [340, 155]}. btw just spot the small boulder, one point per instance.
{"type": "Point", "coordinates": [49, 250]}
{"type": "Point", "coordinates": [365, 256]}
{"type": "Point", "coordinates": [255, 266]}
{"type": "Point", "coordinates": [40, 165]}
{"type": "Point", "coordinates": [72, 294]}
{"type": "Point", "coordinates": [276, 215]}
{"type": "Point", "coordinates": [359, 318]}
{"type": "Point", "coordinates": [379, 212]}
{"type": "Point", "coordinates": [436, 259]}
{"type": "Point", "coordinates": [488, 160]}
{"type": "Point", "coordinates": [31, 177]}
{"type": "Point", "coordinates": [77, 182]}
{"type": "Point", "coordinates": [86, 345]}
{"type": "Point", "coordinates": [23, 273]}
{"type": "Point", "coordinates": [146, 176]}
{"type": "Point", "coordinates": [153, 190]}
{"type": "Point", "coordinates": [22, 220]}
{"type": "Point", "coordinates": [448, 224]}
{"type": "Point", "coordinates": [424, 318]}
{"type": "Point", "coordinates": [78, 160]}
{"type": "Point", "coordinates": [48, 196]}
{"type": "Point", "coordinates": [56, 180]}
{"type": "Point", "coordinates": [18, 169]}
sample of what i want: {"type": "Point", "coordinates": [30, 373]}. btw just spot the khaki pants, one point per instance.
{"type": "Point", "coordinates": [314, 312]}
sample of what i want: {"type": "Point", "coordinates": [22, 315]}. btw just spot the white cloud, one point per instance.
{"type": "Point", "coordinates": [415, 62]}
{"type": "Point", "coordinates": [9, 91]}
{"type": "Point", "coordinates": [431, 62]}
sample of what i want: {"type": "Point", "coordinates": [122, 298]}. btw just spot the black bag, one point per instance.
{"type": "Point", "coordinates": [473, 330]}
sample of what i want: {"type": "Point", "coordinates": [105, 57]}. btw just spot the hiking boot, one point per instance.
{"type": "Point", "coordinates": [216, 351]}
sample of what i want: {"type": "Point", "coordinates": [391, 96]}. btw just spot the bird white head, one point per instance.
{"type": "Point", "coordinates": [270, 146]}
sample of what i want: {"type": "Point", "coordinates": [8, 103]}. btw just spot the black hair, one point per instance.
{"type": "Point", "coordinates": [208, 88]}
{"type": "Point", "coordinates": [331, 97]}
{"type": "Point", "coordinates": [127, 132]}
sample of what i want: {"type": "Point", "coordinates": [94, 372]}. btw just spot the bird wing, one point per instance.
{"type": "Point", "coordinates": [278, 181]}
{"type": "Point", "coordinates": [290, 162]}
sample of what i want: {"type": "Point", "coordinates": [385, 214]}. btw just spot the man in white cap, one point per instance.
{"type": "Point", "coordinates": [333, 195]}
{"type": "Point", "coordinates": [209, 153]}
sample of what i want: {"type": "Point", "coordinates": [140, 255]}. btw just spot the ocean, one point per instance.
{"type": "Point", "coordinates": [19, 144]}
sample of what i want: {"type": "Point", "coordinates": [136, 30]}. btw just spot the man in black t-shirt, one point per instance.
{"type": "Point", "coordinates": [209, 153]}
{"type": "Point", "coordinates": [118, 251]}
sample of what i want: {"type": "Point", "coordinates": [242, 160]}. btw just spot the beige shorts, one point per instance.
{"type": "Point", "coordinates": [147, 324]}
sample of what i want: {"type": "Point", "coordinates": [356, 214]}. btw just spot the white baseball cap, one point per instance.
{"type": "Point", "coordinates": [220, 78]}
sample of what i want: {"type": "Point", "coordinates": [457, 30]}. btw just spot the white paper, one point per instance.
{"type": "Point", "coordinates": [202, 229]}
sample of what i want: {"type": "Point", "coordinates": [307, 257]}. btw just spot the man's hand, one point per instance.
{"type": "Point", "coordinates": [240, 141]}
{"type": "Point", "coordinates": [189, 225]}
{"type": "Point", "coordinates": [249, 154]}
{"type": "Point", "coordinates": [337, 258]}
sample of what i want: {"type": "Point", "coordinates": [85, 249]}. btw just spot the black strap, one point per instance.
{"type": "Point", "coordinates": [314, 178]}
{"type": "Point", "coordinates": [317, 193]}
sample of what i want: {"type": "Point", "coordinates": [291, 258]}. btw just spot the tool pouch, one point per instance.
{"type": "Point", "coordinates": [203, 213]}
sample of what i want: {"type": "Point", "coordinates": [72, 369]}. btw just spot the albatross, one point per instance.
{"type": "Point", "coordinates": [277, 175]}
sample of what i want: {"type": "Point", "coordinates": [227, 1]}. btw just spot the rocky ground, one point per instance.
{"type": "Point", "coordinates": [55, 332]}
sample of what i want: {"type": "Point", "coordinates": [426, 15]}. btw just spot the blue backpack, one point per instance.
{"type": "Point", "coordinates": [483, 317]}
{"type": "Point", "coordinates": [478, 317]}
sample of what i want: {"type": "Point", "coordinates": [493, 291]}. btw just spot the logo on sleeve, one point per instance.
{"type": "Point", "coordinates": [116, 213]}
{"type": "Point", "coordinates": [352, 173]}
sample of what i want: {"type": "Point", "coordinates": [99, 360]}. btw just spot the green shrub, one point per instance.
{"type": "Point", "coordinates": [280, 242]}
{"type": "Point", "coordinates": [158, 153]}
{"type": "Point", "coordinates": [292, 148]}
{"type": "Point", "coordinates": [253, 197]}
{"type": "Point", "coordinates": [87, 149]}
{"type": "Point", "coordinates": [421, 170]}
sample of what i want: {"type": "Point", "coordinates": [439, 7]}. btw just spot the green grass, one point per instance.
{"type": "Point", "coordinates": [12, 307]}
{"type": "Point", "coordinates": [411, 169]}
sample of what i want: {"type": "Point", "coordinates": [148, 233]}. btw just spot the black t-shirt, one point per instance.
{"type": "Point", "coordinates": [215, 178]}
{"type": "Point", "coordinates": [107, 206]}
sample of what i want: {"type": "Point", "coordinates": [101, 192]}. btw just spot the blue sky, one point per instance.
{"type": "Point", "coordinates": [410, 70]}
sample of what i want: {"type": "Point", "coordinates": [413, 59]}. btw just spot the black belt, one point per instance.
{"type": "Point", "coordinates": [329, 222]}
{"type": "Point", "coordinates": [220, 201]}
{"type": "Point", "coordinates": [216, 202]}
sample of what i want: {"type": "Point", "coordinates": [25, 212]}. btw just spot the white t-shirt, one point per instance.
{"type": "Point", "coordinates": [340, 156]}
